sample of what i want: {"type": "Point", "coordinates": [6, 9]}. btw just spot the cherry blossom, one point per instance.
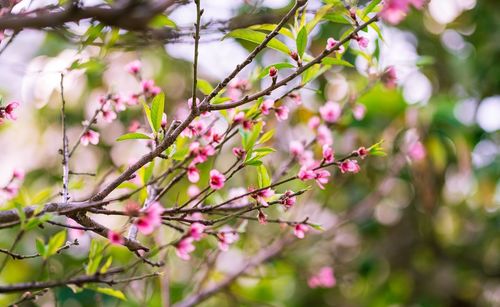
{"type": "Point", "coordinates": [90, 137]}
{"type": "Point", "coordinates": [217, 179]}
{"type": "Point", "coordinates": [115, 238]}
{"type": "Point", "coordinates": [324, 279]}
{"type": "Point", "coordinates": [196, 231]}
{"type": "Point", "coordinates": [184, 248]}
{"type": "Point", "coordinates": [281, 113]}
{"type": "Point", "coordinates": [300, 230]}
{"type": "Point", "coordinates": [328, 154]}
{"type": "Point", "coordinates": [330, 112]}
{"type": "Point", "coordinates": [150, 219]}
{"type": "Point", "coordinates": [349, 166]}
{"type": "Point", "coordinates": [193, 173]}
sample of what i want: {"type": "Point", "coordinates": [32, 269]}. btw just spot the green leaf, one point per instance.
{"type": "Point", "coordinates": [271, 27]}
{"type": "Point", "coordinates": [252, 137]}
{"type": "Point", "coordinates": [95, 257]}
{"type": "Point", "coordinates": [204, 86]}
{"type": "Point", "coordinates": [369, 8]}
{"type": "Point", "coordinates": [161, 21]}
{"type": "Point", "coordinates": [133, 136]}
{"type": "Point", "coordinates": [310, 73]}
{"type": "Point", "coordinates": [258, 37]}
{"type": "Point", "coordinates": [106, 265]}
{"type": "Point", "coordinates": [108, 291]}
{"type": "Point", "coordinates": [301, 41]}
{"type": "Point", "coordinates": [337, 17]}
{"type": "Point", "coordinates": [319, 15]}
{"type": "Point", "coordinates": [147, 111]}
{"type": "Point", "coordinates": [40, 247]}
{"type": "Point", "coordinates": [265, 71]}
{"type": "Point", "coordinates": [316, 226]}
{"type": "Point", "coordinates": [157, 109]}
{"type": "Point", "coordinates": [55, 243]}
{"type": "Point", "coordinates": [148, 172]}
{"type": "Point", "coordinates": [336, 62]}
{"type": "Point", "coordinates": [266, 137]}
{"type": "Point", "coordinates": [263, 176]}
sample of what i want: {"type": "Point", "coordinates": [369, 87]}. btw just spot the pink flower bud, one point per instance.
{"type": "Point", "coordinates": [273, 72]}
{"type": "Point", "coordinates": [134, 67]}
{"type": "Point", "coordinates": [196, 231]}
{"type": "Point", "coordinates": [328, 154]}
{"type": "Point", "coordinates": [300, 230]}
{"type": "Point", "coordinates": [150, 219]}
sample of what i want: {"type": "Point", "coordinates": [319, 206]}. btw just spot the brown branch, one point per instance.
{"type": "Point", "coordinates": [129, 15]}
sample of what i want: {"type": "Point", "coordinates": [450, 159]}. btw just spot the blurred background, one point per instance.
{"type": "Point", "coordinates": [424, 232]}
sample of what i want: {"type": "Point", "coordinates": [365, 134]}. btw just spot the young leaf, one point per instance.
{"type": "Point", "coordinates": [157, 109]}
{"type": "Point", "coordinates": [161, 21]}
{"type": "Point", "coordinates": [147, 111]}
{"type": "Point", "coordinates": [319, 15]}
{"type": "Point", "coordinates": [133, 136]}
{"type": "Point", "coordinates": [204, 86]}
{"type": "Point", "coordinates": [369, 8]}
{"type": "Point", "coordinates": [40, 247]}
{"type": "Point", "coordinates": [106, 265]}
{"type": "Point", "coordinates": [266, 137]}
{"type": "Point", "coordinates": [108, 291]}
{"type": "Point", "coordinates": [55, 243]}
{"type": "Point", "coordinates": [263, 176]}
{"type": "Point", "coordinates": [258, 37]}
{"type": "Point", "coordinates": [271, 27]}
{"type": "Point", "coordinates": [336, 62]}
{"type": "Point", "coordinates": [301, 41]}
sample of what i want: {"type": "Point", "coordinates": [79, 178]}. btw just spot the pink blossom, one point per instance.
{"type": "Point", "coordinates": [133, 100]}
{"type": "Point", "coordinates": [9, 110]}
{"type": "Point", "coordinates": [362, 152]}
{"type": "Point", "coordinates": [238, 152]}
{"type": "Point", "coordinates": [324, 279]}
{"type": "Point", "coordinates": [226, 236]}
{"type": "Point", "coordinates": [201, 153]}
{"type": "Point", "coordinates": [193, 173]}
{"type": "Point", "coordinates": [109, 115]}
{"type": "Point", "coordinates": [389, 77]}
{"type": "Point", "coordinates": [362, 41]}
{"type": "Point", "coordinates": [134, 126]}
{"type": "Point", "coordinates": [90, 137]}
{"type": "Point", "coordinates": [134, 67]}
{"type": "Point", "coordinates": [273, 72]}
{"type": "Point", "coordinates": [217, 179]}
{"type": "Point", "coordinates": [196, 231]}
{"type": "Point", "coordinates": [184, 248]}
{"type": "Point", "coordinates": [18, 174]}
{"type": "Point", "coordinates": [330, 112]}
{"type": "Point", "coordinates": [262, 196]}
{"type": "Point", "coordinates": [119, 103]}
{"type": "Point", "coordinates": [262, 217]}
{"type": "Point", "coordinates": [163, 121]}
{"type": "Point", "coordinates": [314, 122]}
{"type": "Point", "coordinates": [193, 190]}
{"type": "Point", "coordinates": [296, 97]}
{"type": "Point", "coordinates": [328, 154]}
{"type": "Point", "coordinates": [150, 219]}
{"type": "Point", "coordinates": [300, 230]}
{"type": "Point", "coordinates": [324, 135]}
{"type": "Point", "coordinates": [10, 190]}
{"type": "Point", "coordinates": [115, 238]}
{"type": "Point", "coordinates": [296, 148]}
{"type": "Point", "coordinates": [266, 106]}
{"type": "Point", "coordinates": [358, 111]}
{"type": "Point", "coordinates": [394, 11]}
{"type": "Point", "coordinates": [149, 88]}
{"type": "Point", "coordinates": [305, 173]}
{"type": "Point", "coordinates": [288, 200]}
{"type": "Point", "coordinates": [350, 166]}
{"type": "Point", "coordinates": [321, 177]}
{"type": "Point", "coordinates": [281, 113]}
{"type": "Point", "coordinates": [330, 44]}
{"type": "Point", "coordinates": [239, 117]}
{"type": "Point", "coordinates": [416, 151]}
